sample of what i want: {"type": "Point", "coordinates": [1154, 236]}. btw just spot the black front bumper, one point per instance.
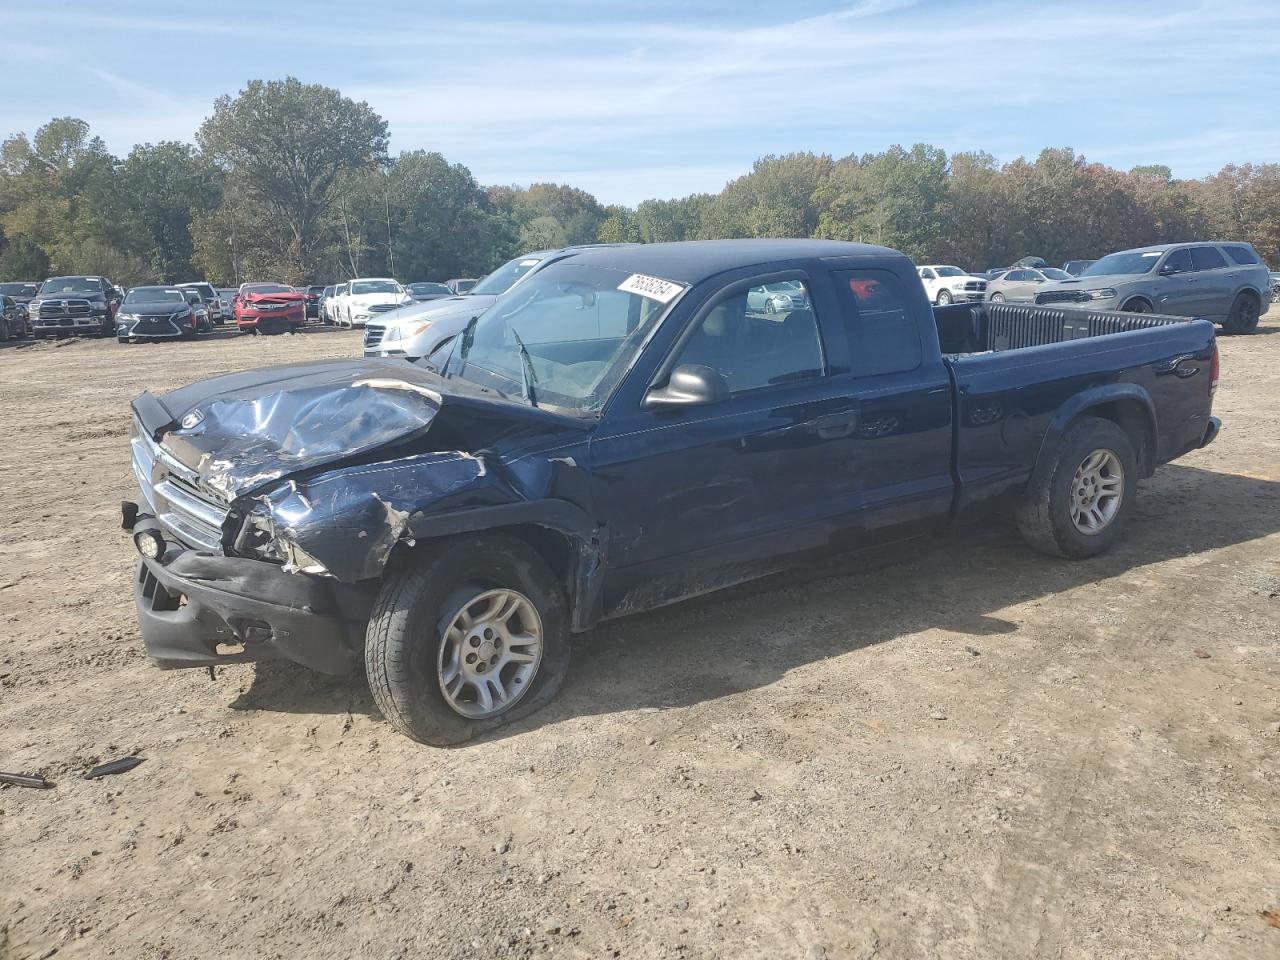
{"type": "Point", "coordinates": [192, 604]}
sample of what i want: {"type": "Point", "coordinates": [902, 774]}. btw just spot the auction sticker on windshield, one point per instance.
{"type": "Point", "coordinates": [664, 291]}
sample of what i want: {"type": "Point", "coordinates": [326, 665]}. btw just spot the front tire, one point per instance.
{"type": "Point", "coordinates": [490, 597]}
{"type": "Point", "coordinates": [944, 298]}
{"type": "Point", "coordinates": [1244, 315]}
{"type": "Point", "coordinates": [1079, 505]}
{"type": "Point", "coordinates": [997, 298]}
{"type": "Point", "coordinates": [1136, 305]}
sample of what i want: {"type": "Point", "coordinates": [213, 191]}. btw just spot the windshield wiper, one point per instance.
{"type": "Point", "coordinates": [527, 376]}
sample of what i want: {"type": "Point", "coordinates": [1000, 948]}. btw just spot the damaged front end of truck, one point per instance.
{"type": "Point", "coordinates": [274, 502]}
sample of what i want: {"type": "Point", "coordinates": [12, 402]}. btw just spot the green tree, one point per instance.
{"type": "Point", "coordinates": [284, 145]}
{"type": "Point", "coordinates": [23, 259]}
{"type": "Point", "coordinates": [163, 187]}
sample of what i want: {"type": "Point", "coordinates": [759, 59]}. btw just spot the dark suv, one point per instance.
{"type": "Point", "coordinates": [74, 306]}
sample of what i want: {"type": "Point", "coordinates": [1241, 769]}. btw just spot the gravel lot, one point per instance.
{"type": "Point", "coordinates": [963, 751]}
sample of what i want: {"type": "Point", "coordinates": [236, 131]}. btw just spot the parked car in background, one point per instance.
{"type": "Point", "coordinates": [200, 308]}
{"type": "Point", "coordinates": [1022, 283]}
{"type": "Point", "coordinates": [13, 319]}
{"type": "Point", "coordinates": [326, 294]}
{"type": "Point", "coordinates": [989, 274]}
{"type": "Point", "coordinates": [423, 291]}
{"type": "Point", "coordinates": [1035, 263]}
{"type": "Point", "coordinates": [312, 294]}
{"type": "Point", "coordinates": [334, 304]}
{"type": "Point", "coordinates": [947, 284]}
{"type": "Point", "coordinates": [620, 431]}
{"type": "Point", "coordinates": [219, 311]}
{"type": "Point", "coordinates": [419, 329]}
{"type": "Point", "coordinates": [781, 297]}
{"type": "Point", "coordinates": [1223, 282]}
{"type": "Point", "coordinates": [269, 308]}
{"type": "Point", "coordinates": [369, 297]}
{"type": "Point", "coordinates": [460, 286]}
{"type": "Point", "coordinates": [161, 313]}
{"type": "Point", "coordinates": [22, 292]}
{"type": "Point", "coordinates": [1275, 285]}
{"type": "Point", "coordinates": [74, 306]}
{"type": "Point", "coordinates": [1077, 267]}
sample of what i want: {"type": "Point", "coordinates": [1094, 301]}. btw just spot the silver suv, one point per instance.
{"type": "Point", "coordinates": [1223, 282]}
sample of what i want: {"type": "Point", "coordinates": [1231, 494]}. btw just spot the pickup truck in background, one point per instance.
{"type": "Point", "coordinates": [946, 284]}
{"type": "Point", "coordinates": [74, 306]}
{"type": "Point", "coordinates": [623, 429]}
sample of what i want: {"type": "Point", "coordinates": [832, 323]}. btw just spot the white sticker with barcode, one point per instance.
{"type": "Point", "coordinates": [664, 291]}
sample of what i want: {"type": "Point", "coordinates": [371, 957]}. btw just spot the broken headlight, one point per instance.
{"type": "Point", "coordinates": [257, 537]}
{"type": "Point", "coordinates": [260, 539]}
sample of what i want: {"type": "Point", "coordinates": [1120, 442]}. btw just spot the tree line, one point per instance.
{"type": "Point", "coordinates": [294, 182]}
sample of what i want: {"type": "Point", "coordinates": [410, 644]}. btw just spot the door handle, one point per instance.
{"type": "Point", "coordinates": [836, 425]}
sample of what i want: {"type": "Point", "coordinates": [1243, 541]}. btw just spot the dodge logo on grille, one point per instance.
{"type": "Point", "coordinates": [192, 419]}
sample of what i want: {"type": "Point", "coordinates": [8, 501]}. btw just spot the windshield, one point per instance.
{"type": "Point", "coordinates": [267, 288]}
{"type": "Point", "coordinates": [18, 289]}
{"type": "Point", "coordinates": [57, 285]}
{"type": "Point", "coordinates": [950, 272]}
{"type": "Point", "coordinates": [1130, 261]}
{"type": "Point", "coordinates": [1053, 273]}
{"type": "Point", "coordinates": [502, 279]}
{"type": "Point", "coordinates": [154, 295]}
{"type": "Point", "coordinates": [424, 288]}
{"type": "Point", "coordinates": [564, 338]}
{"type": "Point", "coordinates": [374, 286]}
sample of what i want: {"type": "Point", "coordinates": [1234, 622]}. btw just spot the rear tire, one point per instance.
{"type": "Point", "coordinates": [1045, 514]}
{"type": "Point", "coordinates": [1244, 315]}
{"type": "Point", "coordinates": [409, 639]}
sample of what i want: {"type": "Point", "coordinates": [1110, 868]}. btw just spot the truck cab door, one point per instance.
{"type": "Point", "coordinates": [885, 359]}
{"type": "Point", "coordinates": [693, 496]}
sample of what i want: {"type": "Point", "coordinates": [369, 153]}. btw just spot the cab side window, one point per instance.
{"type": "Point", "coordinates": [879, 321]}
{"type": "Point", "coordinates": [765, 336]}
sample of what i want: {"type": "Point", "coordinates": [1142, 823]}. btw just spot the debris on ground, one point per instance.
{"type": "Point", "coordinates": [123, 765]}
{"type": "Point", "coordinates": [35, 781]}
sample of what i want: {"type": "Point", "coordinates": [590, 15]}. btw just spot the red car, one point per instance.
{"type": "Point", "coordinates": [269, 308]}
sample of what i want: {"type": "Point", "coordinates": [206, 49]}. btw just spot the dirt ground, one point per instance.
{"type": "Point", "coordinates": [970, 752]}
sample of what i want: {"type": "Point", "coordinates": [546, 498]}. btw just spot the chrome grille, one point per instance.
{"type": "Point", "coordinates": [57, 309]}
{"type": "Point", "coordinates": [383, 307]}
{"type": "Point", "coordinates": [373, 335]}
{"type": "Point", "coordinates": [191, 515]}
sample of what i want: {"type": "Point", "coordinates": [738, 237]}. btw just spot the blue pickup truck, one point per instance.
{"type": "Point", "coordinates": [627, 429]}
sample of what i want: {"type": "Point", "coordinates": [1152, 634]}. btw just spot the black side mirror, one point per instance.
{"type": "Point", "coordinates": [690, 385]}
{"type": "Point", "coordinates": [1168, 270]}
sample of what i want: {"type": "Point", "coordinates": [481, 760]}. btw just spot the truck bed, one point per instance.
{"type": "Point", "coordinates": [1021, 373]}
{"type": "Point", "coordinates": [966, 328]}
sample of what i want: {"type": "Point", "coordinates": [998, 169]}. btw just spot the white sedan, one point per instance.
{"type": "Point", "coordinates": [369, 297]}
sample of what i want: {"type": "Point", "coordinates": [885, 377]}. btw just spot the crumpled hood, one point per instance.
{"type": "Point", "coordinates": [244, 430]}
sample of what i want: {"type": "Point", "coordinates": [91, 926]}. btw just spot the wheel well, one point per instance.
{"type": "Point", "coordinates": [1131, 417]}
{"type": "Point", "coordinates": [1136, 298]}
{"type": "Point", "coordinates": [554, 547]}
{"type": "Point", "coordinates": [1249, 292]}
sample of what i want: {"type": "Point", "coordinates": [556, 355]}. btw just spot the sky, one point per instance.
{"type": "Point", "coordinates": [665, 98]}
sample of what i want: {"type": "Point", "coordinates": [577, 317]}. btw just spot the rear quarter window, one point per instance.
{"type": "Point", "coordinates": [879, 322]}
{"type": "Point", "coordinates": [1241, 254]}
